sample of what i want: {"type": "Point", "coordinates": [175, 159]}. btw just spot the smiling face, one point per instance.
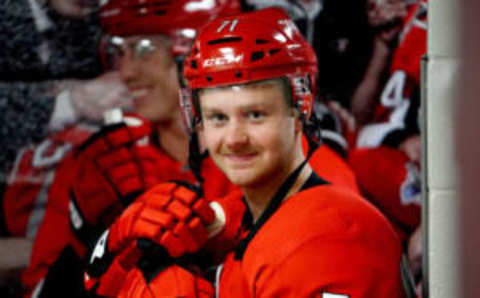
{"type": "Point", "coordinates": [147, 68]}
{"type": "Point", "coordinates": [250, 131]}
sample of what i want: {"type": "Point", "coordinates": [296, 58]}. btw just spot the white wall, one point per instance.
{"type": "Point", "coordinates": [440, 212]}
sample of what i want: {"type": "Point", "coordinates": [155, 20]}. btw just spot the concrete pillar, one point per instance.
{"type": "Point", "coordinates": [440, 218]}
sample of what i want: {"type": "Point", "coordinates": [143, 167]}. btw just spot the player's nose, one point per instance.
{"type": "Point", "coordinates": [236, 135]}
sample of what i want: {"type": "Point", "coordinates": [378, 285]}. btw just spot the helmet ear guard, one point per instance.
{"type": "Point", "coordinates": [302, 94]}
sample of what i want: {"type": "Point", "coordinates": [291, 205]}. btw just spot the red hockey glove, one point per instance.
{"type": "Point", "coordinates": [172, 216]}
{"type": "Point", "coordinates": [106, 273]}
{"type": "Point", "coordinates": [169, 215]}
{"type": "Point", "coordinates": [115, 166]}
{"type": "Point", "coordinates": [174, 281]}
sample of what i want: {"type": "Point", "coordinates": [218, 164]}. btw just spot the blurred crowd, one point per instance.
{"type": "Point", "coordinates": [62, 74]}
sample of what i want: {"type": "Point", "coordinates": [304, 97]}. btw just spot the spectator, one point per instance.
{"type": "Point", "coordinates": [385, 20]}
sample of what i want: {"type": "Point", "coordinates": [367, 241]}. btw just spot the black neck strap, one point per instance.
{"type": "Point", "coordinates": [269, 211]}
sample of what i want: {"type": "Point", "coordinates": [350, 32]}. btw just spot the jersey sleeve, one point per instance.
{"type": "Point", "coordinates": [219, 246]}
{"type": "Point", "coordinates": [334, 268]}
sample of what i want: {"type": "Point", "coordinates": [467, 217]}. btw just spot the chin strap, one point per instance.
{"type": "Point", "coordinates": [272, 207]}
{"type": "Point", "coordinates": [312, 132]}
{"type": "Point", "coordinates": [195, 158]}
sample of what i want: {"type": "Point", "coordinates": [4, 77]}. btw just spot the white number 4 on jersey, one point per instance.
{"type": "Point", "coordinates": [330, 295]}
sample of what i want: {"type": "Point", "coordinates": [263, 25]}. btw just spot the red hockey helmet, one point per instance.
{"type": "Point", "coordinates": [179, 19]}
{"type": "Point", "coordinates": [250, 47]}
{"type": "Point", "coordinates": [136, 17]}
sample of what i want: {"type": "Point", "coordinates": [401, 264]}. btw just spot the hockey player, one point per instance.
{"type": "Point", "coordinates": [250, 80]}
{"type": "Point", "coordinates": [148, 51]}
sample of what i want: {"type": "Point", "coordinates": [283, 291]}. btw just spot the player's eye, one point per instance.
{"type": "Point", "coordinates": [215, 118]}
{"type": "Point", "coordinates": [256, 115]}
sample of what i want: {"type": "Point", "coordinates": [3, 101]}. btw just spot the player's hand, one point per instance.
{"type": "Point", "coordinates": [91, 98]}
{"type": "Point", "coordinates": [169, 215]}
{"type": "Point", "coordinates": [169, 218]}
{"type": "Point", "coordinates": [174, 281]}
{"type": "Point", "coordinates": [115, 166]}
{"type": "Point", "coordinates": [105, 272]}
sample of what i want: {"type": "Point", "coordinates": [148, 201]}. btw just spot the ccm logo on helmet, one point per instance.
{"type": "Point", "coordinates": [222, 61]}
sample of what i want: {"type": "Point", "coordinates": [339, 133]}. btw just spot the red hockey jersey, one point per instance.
{"type": "Point", "coordinates": [322, 242]}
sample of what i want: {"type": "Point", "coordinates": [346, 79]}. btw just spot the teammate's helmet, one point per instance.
{"type": "Point", "coordinates": [250, 47]}
{"type": "Point", "coordinates": [178, 19]}
{"type": "Point", "coordinates": [134, 17]}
